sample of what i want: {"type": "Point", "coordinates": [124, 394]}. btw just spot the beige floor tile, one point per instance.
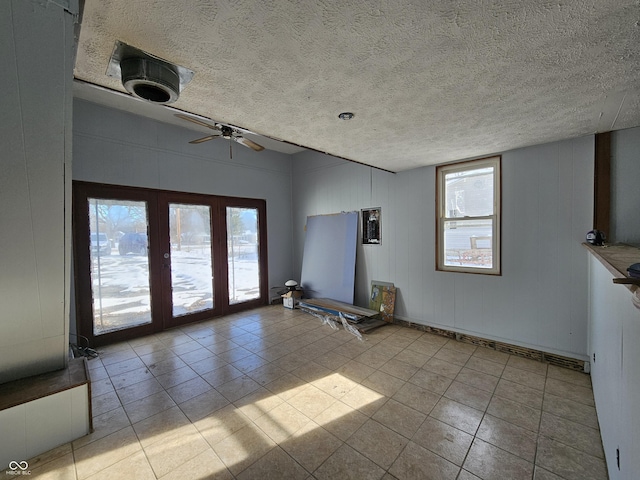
{"type": "Point", "coordinates": [221, 375]}
{"type": "Point", "coordinates": [266, 373]}
{"type": "Point", "coordinates": [347, 464]}
{"type": "Point", "coordinates": [576, 435]}
{"type": "Point", "coordinates": [355, 370]}
{"type": "Point", "coordinates": [189, 389]}
{"type": "Point", "coordinates": [341, 420]}
{"type": "Point", "coordinates": [491, 463]}
{"type": "Point", "coordinates": [465, 475]}
{"type": "Point", "coordinates": [378, 443]}
{"type": "Point", "coordinates": [417, 359]}
{"type": "Point", "coordinates": [148, 406]}
{"type": "Point", "coordinates": [519, 393]}
{"type": "Point", "coordinates": [335, 384]}
{"type": "Point", "coordinates": [49, 456]}
{"type": "Point", "coordinates": [418, 463]}
{"type": "Point", "coordinates": [238, 388]}
{"type": "Point", "coordinates": [138, 391]}
{"type": "Point", "coordinates": [453, 344]}
{"type": "Point", "coordinates": [383, 383]}
{"type": "Point", "coordinates": [515, 412]}
{"type": "Point", "coordinates": [457, 415]}
{"type": "Point", "coordinates": [275, 465]}
{"type": "Point", "coordinates": [448, 354]}
{"type": "Point", "coordinates": [107, 451]}
{"type": "Point", "coordinates": [203, 405]}
{"type": "Point", "coordinates": [175, 450]}
{"type": "Point", "coordinates": [485, 366]}
{"type": "Point", "coordinates": [542, 474]}
{"type": "Point", "coordinates": [570, 391]}
{"type": "Point", "coordinates": [281, 422]}
{"type": "Point", "coordinates": [372, 359]}
{"type": "Point", "coordinates": [399, 418]}
{"type": "Point", "coordinates": [311, 445]}
{"type": "Point", "coordinates": [364, 399]}
{"type": "Point", "coordinates": [468, 395]}
{"type": "Point", "coordinates": [431, 381]}
{"type": "Point", "coordinates": [399, 369]}
{"type": "Point", "coordinates": [287, 386]}
{"type": "Point", "coordinates": [444, 440]}
{"type": "Point", "coordinates": [221, 424]}
{"type": "Point", "coordinates": [104, 425]}
{"type": "Point", "coordinates": [524, 377]}
{"type": "Point", "coordinates": [258, 403]}
{"type": "Point", "coordinates": [534, 366]}
{"type": "Point", "coordinates": [442, 367]}
{"type": "Point", "coordinates": [243, 448]}
{"type": "Point", "coordinates": [105, 403]}
{"type": "Point", "coordinates": [136, 464]}
{"type": "Point", "coordinates": [492, 355]}
{"type": "Point", "coordinates": [176, 377]}
{"type": "Point", "coordinates": [569, 463]}
{"type": "Point", "coordinates": [570, 376]}
{"type": "Point", "coordinates": [417, 397]}
{"type": "Point", "coordinates": [161, 425]}
{"type": "Point", "coordinates": [60, 468]}
{"type": "Point", "coordinates": [477, 379]}
{"type": "Point", "coordinates": [207, 365]}
{"type": "Point", "coordinates": [509, 437]}
{"type": "Point", "coordinates": [577, 412]}
{"type": "Point", "coordinates": [311, 371]}
{"type": "Point", "coordinates": [312, 401]}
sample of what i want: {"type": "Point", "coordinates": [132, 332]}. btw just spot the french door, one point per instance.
{"type": "Point", "coordinates": [147, 260]}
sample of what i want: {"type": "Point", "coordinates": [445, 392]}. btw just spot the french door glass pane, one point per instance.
{"type": "Point", "coordinates": [191, 263]}
{"type": "Point", "coordinates": [242, 254]}
{"type": "Point", "coordinates": [120, 283]}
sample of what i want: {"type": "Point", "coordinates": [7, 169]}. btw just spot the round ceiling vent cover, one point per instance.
{"type": "Point", "coordinates": [150, 80]}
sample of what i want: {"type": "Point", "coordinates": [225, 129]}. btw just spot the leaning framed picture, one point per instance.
{"type": "Point", "coordinates": [371, 226]}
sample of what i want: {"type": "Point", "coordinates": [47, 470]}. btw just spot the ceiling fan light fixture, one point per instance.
{"type": "Point", "coordinates": [346, 116]}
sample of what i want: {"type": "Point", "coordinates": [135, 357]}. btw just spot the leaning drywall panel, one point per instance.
{"type": "Point", "coordinates": [329, 259]}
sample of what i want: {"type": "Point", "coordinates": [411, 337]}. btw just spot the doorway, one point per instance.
{"type": "Point", "coordinates": [147, 260]}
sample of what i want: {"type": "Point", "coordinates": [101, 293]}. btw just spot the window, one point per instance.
{"type": "Point", "coordinates": [468, 216]}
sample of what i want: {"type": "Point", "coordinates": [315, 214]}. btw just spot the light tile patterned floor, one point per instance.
{"type": "Point", "coordinates": [274, 394]}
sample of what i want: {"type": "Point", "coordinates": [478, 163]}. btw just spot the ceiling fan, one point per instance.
{"type": "Point", "coordinates": [225, 131]}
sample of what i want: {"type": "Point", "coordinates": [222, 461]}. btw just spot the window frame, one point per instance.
{"type": "Point", "coordinates": [494, 162]}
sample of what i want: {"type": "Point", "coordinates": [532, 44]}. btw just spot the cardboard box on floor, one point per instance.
{"type": "Point", "coordinates": [290, 299]}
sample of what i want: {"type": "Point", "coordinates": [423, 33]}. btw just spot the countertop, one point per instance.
{"type": "Point", "coordinates": [617, 258]}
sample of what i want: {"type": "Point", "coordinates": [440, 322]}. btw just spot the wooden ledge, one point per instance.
{"type": "Point", "coordinates": [617, 258]}
{"type": "Point", "coordinates": [32, 388]}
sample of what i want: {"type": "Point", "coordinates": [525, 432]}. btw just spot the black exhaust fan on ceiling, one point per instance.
{"type": "Point", "coordinates": [146, 76]}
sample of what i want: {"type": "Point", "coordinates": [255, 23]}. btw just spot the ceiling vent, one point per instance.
{"type": "Point", "coordinates": [147, 77]}
{"type": "Point", "coordinates": [150, 80]}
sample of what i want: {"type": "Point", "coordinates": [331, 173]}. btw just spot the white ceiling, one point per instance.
{"type": "Point", "coordinates": [429, 81]}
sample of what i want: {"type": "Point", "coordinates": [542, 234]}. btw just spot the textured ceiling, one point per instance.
{"type": "Point", "coordinates": [429, 81]}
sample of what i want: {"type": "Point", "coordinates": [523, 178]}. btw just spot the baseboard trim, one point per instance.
{"type": "Point", "coordinates": [524, 352]}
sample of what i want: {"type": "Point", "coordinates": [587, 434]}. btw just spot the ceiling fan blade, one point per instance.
{"type": "Point", "coordinates": [195, 120]}
{"type": "Point", "coordinates": [204, 139]}
{"type": "Point", "coordinates": [248, 143]}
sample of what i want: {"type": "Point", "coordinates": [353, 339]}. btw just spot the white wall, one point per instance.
{"type": "Point", "coordinates": [625, 186]}
{"type": "Point", "coordinates": [615, 342]}
{"type": "Point", "coordinates": [540, 301]}
{"type": "Point", "coordinates": [36, 50]}
{"type": "Point", "coordinates": [115, 147]}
